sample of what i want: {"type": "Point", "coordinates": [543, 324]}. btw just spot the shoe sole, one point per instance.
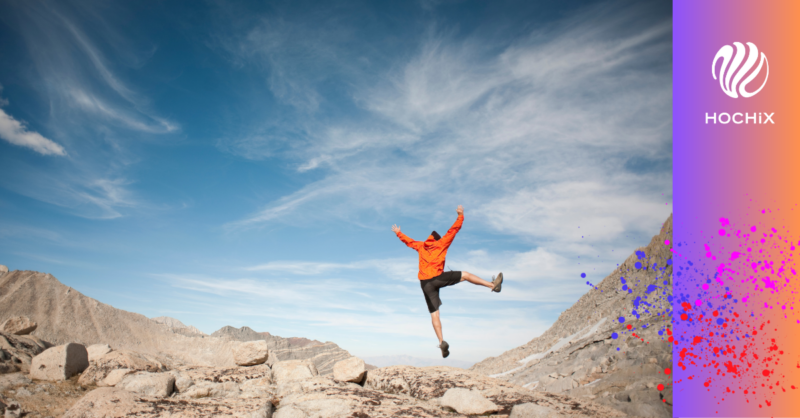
{"type": "Point", "coordinates": [445, 349]}
{"type": "Point", "coordinates": [498, 283]}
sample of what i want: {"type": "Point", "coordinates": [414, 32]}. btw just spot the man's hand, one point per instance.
{"type": "Point", "coordinates": [460, 210]}
{"type": "Point", "coordinates": [396, 229]}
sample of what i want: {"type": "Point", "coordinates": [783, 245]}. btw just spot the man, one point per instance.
{"type": "Point", "coordinates": [431, 266]}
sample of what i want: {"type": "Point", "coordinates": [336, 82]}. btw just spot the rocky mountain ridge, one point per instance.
{"type": "Point", "coordinates": [177, 326]}
{"type": "Point", "coordinates": [65, 315]}
{"type": "Point", "coordinates": [612, 345]}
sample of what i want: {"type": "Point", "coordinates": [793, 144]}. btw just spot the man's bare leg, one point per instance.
{"type": "Point", "coordinates": [474, 280]}
{"type": "Point", "coordinates": [437, 325]}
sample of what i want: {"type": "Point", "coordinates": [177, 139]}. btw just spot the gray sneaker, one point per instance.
{"type": "Point", "coordinates": [445, 349]}
{"type": "Point", "coordinates": [498, 283]}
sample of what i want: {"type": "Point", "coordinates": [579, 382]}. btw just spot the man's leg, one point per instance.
{"type": "Point", "coordinates": [474, 280]}
{"type": "Point", "coordinates": [437, 325]}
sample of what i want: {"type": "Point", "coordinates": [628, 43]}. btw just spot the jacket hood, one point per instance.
{"type": "Point", "coordinates": [430, 241]}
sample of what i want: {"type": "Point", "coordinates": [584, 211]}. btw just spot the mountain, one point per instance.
{"type": "Point", "coordinates": [589, 352]}
{"type": "Point", "coordinates": [65, 315]}
{"type": "Point", "coordinates": [323, 355]}
{"type": "Point", "coordinates": [177, 326]}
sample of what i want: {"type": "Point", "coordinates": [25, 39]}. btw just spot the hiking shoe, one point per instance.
{"type": "Point", "coordinates": [445, 349]}
{"type": "Point", "coordinates": [498, 283]}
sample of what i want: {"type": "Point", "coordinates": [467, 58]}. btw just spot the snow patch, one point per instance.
{"type": "Point", "coordinates": [535, 384]}
{"type": "Point", "coordinates": [581, 334]}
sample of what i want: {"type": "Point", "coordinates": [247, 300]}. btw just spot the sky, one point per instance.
{"type": "Point", "coordinates": [242, 163]}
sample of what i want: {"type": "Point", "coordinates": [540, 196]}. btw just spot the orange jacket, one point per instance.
{"type": "Point", "coordinates": [432, 252]}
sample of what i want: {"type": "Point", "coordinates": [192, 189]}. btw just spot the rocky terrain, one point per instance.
{"type": "Point", "coordinates": [64, 354]}
{"type": "Point", "coordinates": [75, 381]}
{"type": "Point", "coordinates": [590, 354]}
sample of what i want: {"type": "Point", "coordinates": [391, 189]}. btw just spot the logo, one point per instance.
{"type": "Point", "coordinates": [731, 73]}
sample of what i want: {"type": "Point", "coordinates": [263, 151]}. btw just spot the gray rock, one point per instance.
{"type": "Point", "coordinates": [157, 385]}
{"type": "Point", "coordinates": [532, 410]}
{"type": "Point", "coordinates": [60, 363]}
{"type": "Point", "coordinates": [350, 370]}
{"type": "Point", "coordinates": [468, 402]}
{"type": "Point", "coordinates": [18, 325]}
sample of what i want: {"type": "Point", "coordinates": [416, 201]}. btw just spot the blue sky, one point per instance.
{"type": "Point", "coordinates": [235, 163]}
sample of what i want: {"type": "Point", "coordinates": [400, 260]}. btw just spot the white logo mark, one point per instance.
{"type": "Point", "coordinates": [731, 75]}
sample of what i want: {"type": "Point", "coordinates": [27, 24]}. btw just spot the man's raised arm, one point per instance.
{"type": "Point", "coordinates": [406, 240]}
{"type": "Point", "coordinates": [451, 233]}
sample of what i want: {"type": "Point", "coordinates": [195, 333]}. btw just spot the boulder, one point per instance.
{"type": "Point", "coordinates": [18, 325]}
{"type": "Point", "coordinates": [293, 370]}
{"type": "Point", "coordinates": [158, 385]}
{"type": "Point", "coordinates": [350, 370]}
{"type": "Point", "coordinates": [101, 367]}
{"type": "Point", "coordinates": [119, 403]}
{"type": "Point", "coordinates": [3, 269]}
{"type": "Point", "coordinates": [251, 353]}
{"type": "Point", "coordinates": [532, 410]}
{"type": "Point", "coordinates": [16, 352]}
{"type": "Point", "coordinates": [468, 402]}
{"type": "Point", "coordinates": [60, 362]}
{"type": "Point", "coordinates": [97, 350]}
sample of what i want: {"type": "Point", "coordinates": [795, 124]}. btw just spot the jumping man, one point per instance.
{"type": "Point", "coordinates": [431, 266]}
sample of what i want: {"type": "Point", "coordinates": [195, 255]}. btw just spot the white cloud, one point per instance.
{"type": "Point", "coordinates": [533, 139]}
{"type": "Point", "coordinates": [16, 133]}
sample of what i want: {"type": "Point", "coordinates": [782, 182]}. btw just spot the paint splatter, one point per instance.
{"type": "Point", "coordinates": [735, 297]}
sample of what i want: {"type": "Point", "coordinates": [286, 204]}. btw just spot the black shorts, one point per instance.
{"type": "Point", "coordinates": [430, 288]}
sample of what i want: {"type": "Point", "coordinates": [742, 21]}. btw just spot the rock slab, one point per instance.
{"type": "Point", "coordinates": [468, 402]}
{"type": "Point", "coordinates": [102, 368]}
{"type": "Point", "coordinates": [116, 402]}
{"type": "Point", "coordinates": [158, 385]}
{"type": "Point", "coordinates": [532, 410]}
{"type": "Point", "coordinates": [350, 370]}
{"type": "Point", "coordinates": [293, 370]}
{"type": "Point", "coordinates": [60, 362]}
{"type": "Point", "coordinates": [18, 325]}
{"type": "Point", "coordinates": [251, 353]}
{"type": "Point", "coordinates": [97, 350]}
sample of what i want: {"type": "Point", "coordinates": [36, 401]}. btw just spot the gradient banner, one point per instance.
{"type": "Point", "coordinates": [736, 141]}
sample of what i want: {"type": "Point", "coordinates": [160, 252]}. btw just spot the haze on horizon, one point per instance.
{"type": "Point", "coordinates": [241, 163]}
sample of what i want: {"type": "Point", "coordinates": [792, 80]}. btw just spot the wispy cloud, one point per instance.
{"type": "Point", "coordinates": [534, 136]}
{"type": "Point", "coordinates": [17, 133]}
{"type": "Point", "coordinates": [345, 311]}
{"type": "Point", "coordinates": [77, 60]}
